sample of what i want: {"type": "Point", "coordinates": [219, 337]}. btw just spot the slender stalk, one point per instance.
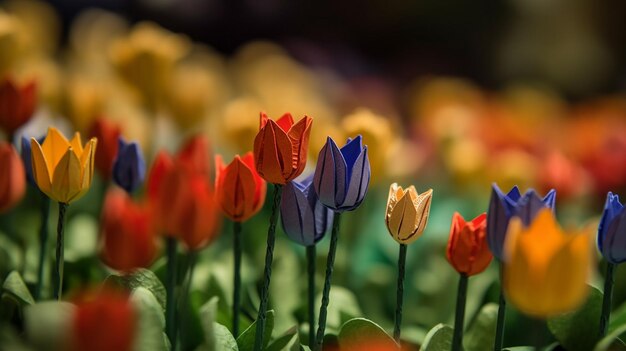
{"type": "Point", "coordinates": [608, 299]}
{"type": "Point", "coordinates": [183, 301]}
{"type": "Point", "coordinates": [237, 277]}
{"type": "Point", "coordinates": [399, 292]}
{"type": "Point", "coordinates": [459, 318]}
{"type": "Point", "coordinates": [60, 252]}
{"type": "Point", "coordinates": [330, 262]}
{"type": "Point", "coordinates": [170, 286]}
{"type": "Point", "coordinates": [497, 346]}
{"type": "Point", "coordinates": [43, 243]}
{"type": "Point", "coordinates": [537, 333]}
{"type": "Point", "coordinates": [267, 273]}
{"type": "Point", "coordinates": [310, 261]}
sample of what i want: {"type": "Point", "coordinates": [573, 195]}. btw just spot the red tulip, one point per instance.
{"type": "Point", "coordinates": [17, 104]}
{"type": "Point", "coordinates": [280, 148]}
{"type": "Point", "coordinates": [12, 177]}
{"type": "Point", "coordinates": [107, 133]}
{"type": "Point", "coordinates": [239, 189]}
{"type": "Point", "coordinates": [468, 251]}
{"type": "Point", "coordinates": [127, 239]}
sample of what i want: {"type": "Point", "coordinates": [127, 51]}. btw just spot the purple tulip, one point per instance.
{"type": "Point", "coordinates": [129, 167]}
{"type": "Point", "coordinates": [503, 207]}
{"type": "Point", "coordinates": [342, 176]}
{"type": "Point", "coordinates": [612, 230]}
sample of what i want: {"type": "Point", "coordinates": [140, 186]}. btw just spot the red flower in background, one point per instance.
{"type": "Point", "coordinates": [12, 177]}
{"type": "Point", "coordinates": [107, 133]}
{"type": "Point", "coordinates": [126, 234]}
{"type": "Point", "coordinates": [17, 104]}
{"type": "Point", "coordinates": [103, 321]}
{"type": "Point", "coordinates": [468, 251]}
{"type": "Point", "coordinates": [239, 189]}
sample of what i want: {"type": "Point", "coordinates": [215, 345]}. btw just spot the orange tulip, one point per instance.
{"type": "Point", "coordinates": [12, 177]}
{"type": "Point", "coordinates": [127, 238]}
{"type": "Point", "coordinates": [17, 104]}
{"type": "Point", "coordinates": [468, 251]}
{"type": "Point", "coordinates": [107, 133]}
{"type": "Point", "coordinates": [280, 148]}
{"type": "Point", "coordinates": [239, 189]}
{"type": "Point", "coordinates": [104, 321]}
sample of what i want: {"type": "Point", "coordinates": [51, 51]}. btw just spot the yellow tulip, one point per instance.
{"type": "Point", "coordinates": [407, 213]}
{"type": "Point", "coordinates": [63, 169]}
{"type": "Point", "coordinates": [546, 270]}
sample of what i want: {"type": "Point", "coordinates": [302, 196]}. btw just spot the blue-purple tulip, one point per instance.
{"type": "Point", "coordinates": [503, 207]}
{"type": "Point", "coordinates": [26, 157]}
{"type": "Point", "coordinates": [342, 176]}
{"type": "Point", "coordinates": [612, 230]}
{"type": "Point", "coordinates": [304, 218]}
{"type": "Point", "coordinates": [129, 167]}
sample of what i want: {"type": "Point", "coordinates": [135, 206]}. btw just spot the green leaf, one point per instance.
{"type": "Point", "coordinates": [143, 278]}
{"type": "Point", "coordinates": [359, 331]}
{"type": "Point", "coordinates": [578, 331]}
{"type": "Point", "coordinates": [245, 341]}
{"type": "Point", "coordinates": [151, 321]}
{"type": "Point", "coordinates": [47, 324]}
{"type": "Point", "coordinates": [224, 340]}
{"type": "Point", "coordinates": [285, 341]}
{"type": "Point", "coordinates": [612, 340]}
{"type": "Point", "coordinates": [207, 313]}
{"type": "Point", "coordinates": [439, 338]}
{"type": "Point", "coordinates": [14, 284]}
{"type": "Point", "coordinates": [482, 333]}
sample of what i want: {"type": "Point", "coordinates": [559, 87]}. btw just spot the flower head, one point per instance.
{"type": "Point", "coordinates": [503, 207]}
{"type": "Point", "coordinates": [12, 177]}
{"type": "Point", "coordinates": [407, 213]}
{"type": "Point", "coordinates": [239, 189]}
{"type": "Point", "coordinates": [342, 176]}
{"type": "Point", "coordinates": [129, 167]}
{"type": "Point", "coordinates": [612, 230]}
{"type": "Point", "coordinates": [303, 217]}
{"type": "Point", "coordinates": [467, 248]}
{"type": "Point", "coordinates": [545, 269]}
{"type": "Point", "coordinates": [63, 169]}
{"type": "Point", "coordinates": [17, 104]}
{"type": "Point", "coordinates": [280, 148]}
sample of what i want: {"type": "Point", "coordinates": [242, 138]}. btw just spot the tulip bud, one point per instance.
{"type": "Point", "coordinates": [303, 217]}
{"type": "Point", "coordinates": [129, 168]}
{"type": "Point", "coordinates": [342, 176]}
{"type": "Point", "coordinates": [17, 104]}
{"type": "Point", "coordinates": [280, 148]}
{"type": "Point", "coordinates": [239, 189]}
{"type": "Point", "coordinates": [107, 133]}
{"type": "Point", "coordinates": [127, 238]}
{"type": "Point", "coordinates": [545, 269]}
{"type": "Point", "coordinates": [504, 207]}
{"type": "Point", "coordinates": [612, 230]}
{"type": "Point", "coordinates": [407, 213]}
{"type": "Point", "coordinates": [12, 177]}
{"type": "Point", "coordinates": [467, 250]}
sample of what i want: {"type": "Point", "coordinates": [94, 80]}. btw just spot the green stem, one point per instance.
{"type": "Point", "coordinates": [537, 333]}
{"type": "Point", "coordinates": [459, 318]}
{"type": "Point", "coordinates": [497, 346]}
{"type": "Point", "coordinates": [237, 277]}
{"type": "Point", "coordinates": [60, 252]}
{"type": "Point", "coordinates": [170, 286]}
{"type": "Point", "coordinates": [267, 273]}
{"type": "Point", "coordinates": [330, 262]}
{"type": "Point", "coordinates": [607, 300]}
{"type": "Point", "coordinates": [310, 260]}
{"type": "Point", "coordinates": [43, 243]}
{"type": "Point", "coordinates": [183, 301]}
{"type": "Point", "coordinates": [399, 292]}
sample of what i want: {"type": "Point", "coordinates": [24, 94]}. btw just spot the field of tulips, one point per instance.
{"type": "Point", "coordinates": [157, 195]}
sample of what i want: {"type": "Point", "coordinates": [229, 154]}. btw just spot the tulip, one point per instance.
{"type": "Point", "coordinates": [17, 104]}
{"type": "Point", "coordinates": [239, 189]}
{"type": "Point", "coordinates": [545, 269]}
{"type": "Point", "coordinates": [468, 253]}
{"type": "Point", "coordinates": [407, 213]}
{"type": "Point", "coordinates": [127, 238]}
{"type": "Point", "coordinates": [342, 176]}
{"type": "Point", "coordinates": [108, 134]}
{"type": "Point", "coordinates": [26, 154]}
{"type": "Point", "coordinates": [104, 321]}
{"type": "Point", "coordinates": [467, 248]}
{"type": "Point", "coordinates": [12, 177]}
{"type": "Point", "coordinates": [280, 148]}
{"type": "Point", "coordinates": [63, 169]}
{"type": "Point", "coordinates": [129, 168]}
{"type": "Point", "coordinates": [611, 243]}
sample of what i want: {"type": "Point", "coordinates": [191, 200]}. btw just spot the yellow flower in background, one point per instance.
{"type": "Point", "coordinates": [377, 132]}
{"type": "Point", "coordinates": [11, 41]}
{"type": "Point", "coordinates": [63, 169]}
{"type": "Point", "coordinates": [545, 269]}
{"type": "Point", "coordinates": [407, 213]}
{"type": "Point", "coordinates": [240, 124]}
{"type": "Point", "coordinates": [84, 99]}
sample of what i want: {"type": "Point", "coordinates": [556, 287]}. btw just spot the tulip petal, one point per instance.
{"type": "Point", "coordinates": [41, 172]}
{"type": "Point", "coordinates": [359, 181]}
{"type": "Point", "coordinates": [76, 145]}
{"type": "Point", "coordinates": [54, 148]}
{"type": "Point", "coordinates": [614, 249]}
{"type": "Point", "coordinates": [293, 214]}
{"type": "Point", "coordinates": [285, 122]}
{"type": "Point", "coordinates": [330, 176]}
{"type": "Point", "coordinates": [67, 178]}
